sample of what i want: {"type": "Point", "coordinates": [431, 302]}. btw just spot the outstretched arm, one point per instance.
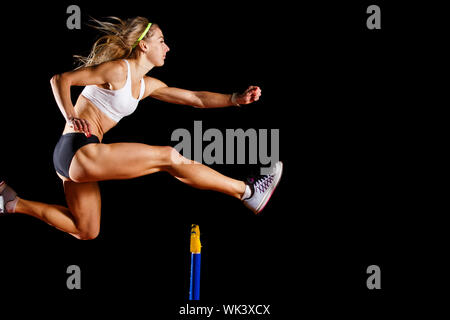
{"type": "Point", "coordinates": [199, 99]}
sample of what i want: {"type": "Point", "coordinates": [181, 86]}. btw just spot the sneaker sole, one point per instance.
{"type": "Point", "coordinates": [269, 195]}
{"type": "Point", "coordinates": [2, 202]}
{"type": "Point", "coordinates": [10, 192]}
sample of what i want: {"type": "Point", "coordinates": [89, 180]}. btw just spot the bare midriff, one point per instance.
{"type": "Point", "coordinates": [99, 122]}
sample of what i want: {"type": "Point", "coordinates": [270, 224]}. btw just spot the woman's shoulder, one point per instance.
{"type": "Point", "coordinates": [116, 70]}
{"type": "Point", "coordinates": [118, 65]}
{"type": "Point", "coordinates": [152, 84]}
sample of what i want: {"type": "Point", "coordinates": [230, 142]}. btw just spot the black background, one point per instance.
{"type": "Point", "coordinates": [351, 117]}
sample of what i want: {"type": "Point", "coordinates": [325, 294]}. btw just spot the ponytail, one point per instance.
{"type": "Point", "coordinates": [117, 43]}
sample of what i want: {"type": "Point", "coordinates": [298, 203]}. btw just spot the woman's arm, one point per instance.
{"type": "Point", "coordinates": [199, 99]}
{"type": "Point", "coordinates": [109, 72]}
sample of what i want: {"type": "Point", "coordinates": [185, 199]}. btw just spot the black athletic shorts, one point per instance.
{"type": "Point", "coordinates": [66, 148]}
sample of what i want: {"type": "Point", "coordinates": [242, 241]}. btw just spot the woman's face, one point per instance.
{"type": "Point", "coordinates": [157, 48]}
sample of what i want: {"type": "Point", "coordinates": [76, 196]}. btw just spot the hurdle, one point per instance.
{"type": "Point", "coordinates": [195, 249]}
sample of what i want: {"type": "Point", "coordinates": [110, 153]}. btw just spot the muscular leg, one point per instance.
{"type": "Point", "coordinates": [98, 162]}
{"type": "Point", "coordinates": [55, 215]}
{"type": "Point", "coordinates": [82, 217]}
{"type": "Point", "coordinates": [202, 177]}
{"type": "Point", "coordinates": [84, 202]}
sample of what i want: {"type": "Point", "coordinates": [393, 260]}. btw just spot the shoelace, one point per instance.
{"type": "Point", "coordinates": [263, 183]}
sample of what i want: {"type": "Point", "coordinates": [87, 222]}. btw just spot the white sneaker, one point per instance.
{"type": "Point", "coordinates": [263, 188]}
{"type": "Point", "coordinates": [6, 195]}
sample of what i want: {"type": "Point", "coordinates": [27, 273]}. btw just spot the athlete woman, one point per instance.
{"type": "Point", "coordinates": [114, 76]}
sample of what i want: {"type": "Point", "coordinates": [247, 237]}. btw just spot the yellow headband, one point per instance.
{"type": "Point", "coordinates": [142, 35]}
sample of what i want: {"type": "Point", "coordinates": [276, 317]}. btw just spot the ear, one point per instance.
{"type": "Point", "coordinates": [144, 46]}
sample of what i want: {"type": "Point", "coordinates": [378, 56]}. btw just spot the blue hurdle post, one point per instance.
{"type": "Point", "coordinates": [194, 287]}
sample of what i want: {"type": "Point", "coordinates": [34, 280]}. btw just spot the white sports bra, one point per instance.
{"type": "Point", "coordinates": [116, 104]}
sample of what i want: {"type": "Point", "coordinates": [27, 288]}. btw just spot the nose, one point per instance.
{"type": "Point", "coordinates": [167, 48]}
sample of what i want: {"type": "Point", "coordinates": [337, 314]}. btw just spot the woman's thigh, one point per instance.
{"type": "Point", "coordinates": [84, 203]}
{"type": "Point", "coordinates": [98, 162]}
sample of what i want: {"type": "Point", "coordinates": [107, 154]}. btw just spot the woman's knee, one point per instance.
{"type": "Point", "coordinates": [88, 225]}
{"type": "Point", "coordinates": [172, 157]}
{"type": "Point", "coordinates": [88, 233]}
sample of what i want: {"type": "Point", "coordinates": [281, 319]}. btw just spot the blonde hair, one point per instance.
{"type": "Point", "coordinates": [118, 41]}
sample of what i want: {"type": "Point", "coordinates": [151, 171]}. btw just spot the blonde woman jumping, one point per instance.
{"type": "Point", "coordinates": [114, 76]}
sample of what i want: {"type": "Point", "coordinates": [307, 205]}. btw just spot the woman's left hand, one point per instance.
{"type": "Point", "coordinates": [250, 95]}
